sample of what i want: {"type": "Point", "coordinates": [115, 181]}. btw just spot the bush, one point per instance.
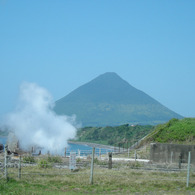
{"type": "Point", "coordinates": [54, 159]}
{"type": "Point", "coordinates": [29, 159]}
{"type": "Point", "coordinates": [78, 160]}
{"type": "Point", "coordinates": [43, 163]}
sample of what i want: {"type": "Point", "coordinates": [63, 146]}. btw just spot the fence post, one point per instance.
{"type": "Point", "coordinates": [171, 157]}
{"type": "Point", "coordinates": [6, 158]}
{"type": "Point", "coordinates": [19, 168]}
{"type": "Point", "coordinates": [92, 166]}
{"type": "Point", "coordinates": [180, 160]}
{"type": "Point", "coordinates": [65, 152]}
{"type": "Point", "coordinates": [128, 152]}
{"type": "Point", "coordinates": [110, 160]}
{"type": "Point", "coordinates": [188, 172]}
{"type": "Point", "coordinates": [100, 153]}
{"type": "Point", "coordinates": [135, 155]}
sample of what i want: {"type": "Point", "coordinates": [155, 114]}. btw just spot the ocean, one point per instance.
{"type": "Point", "coordinates": [79, 149]}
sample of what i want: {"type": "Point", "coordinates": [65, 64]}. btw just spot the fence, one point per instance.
{"type": "Point", "coordinates": [124, 168]}
{"type": "Point", "coordinates": [94, 165]}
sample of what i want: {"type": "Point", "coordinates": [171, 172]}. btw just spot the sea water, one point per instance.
{"type": "Point", "coordinates": [79, 149]}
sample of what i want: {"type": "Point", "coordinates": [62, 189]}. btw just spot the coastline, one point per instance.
{"type": "Point", "coordinates": [84, 143]}
{"type": "Point", "coordinates": [93, 145]}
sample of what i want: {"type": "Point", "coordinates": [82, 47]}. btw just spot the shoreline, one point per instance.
{"type": "Point", "coordinates": [85, 143]}
{"type": "Point", "coordinates": [93, 145]}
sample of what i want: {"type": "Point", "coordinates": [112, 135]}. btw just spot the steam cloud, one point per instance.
{"type": "Point", "coordinates": [35, 123]}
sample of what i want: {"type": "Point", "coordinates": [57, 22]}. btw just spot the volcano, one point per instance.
{"type": "Point", "coordinates": [108, 100]}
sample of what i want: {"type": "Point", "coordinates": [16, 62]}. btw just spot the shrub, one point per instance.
{"type": "Point", "coordinates": [43, 163]}
{"type": "Point", "coordinates": [29, 159]}
{"type": "Point", "coordinates": [78, 160]}
{"type": "Point", "coordinates": [54, 159]}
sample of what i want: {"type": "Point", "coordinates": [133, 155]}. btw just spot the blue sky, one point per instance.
{"type": "Point", "coordinates": [63, 44]}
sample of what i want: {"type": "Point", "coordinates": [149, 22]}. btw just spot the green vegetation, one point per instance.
{"type": "Point", "coordinates": [29, 159]}
{"type": "Point", "coordinates": [54, 159]}
{"type": "Point", "coordinates": [44, 163]}
{"type": "Point", "coordinates": [116, 136]}
{"type": "Point", "coordinates": [124, 181]}
{"type": "Point", "coordinates": [47, 162]}
{"type": "Point", "coordinates": [175, 131]}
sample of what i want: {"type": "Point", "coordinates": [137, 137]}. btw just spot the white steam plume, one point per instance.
{"type": "Point", "coordinates": [35, 123]}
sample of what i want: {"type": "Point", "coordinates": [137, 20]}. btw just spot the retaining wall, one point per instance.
{"type": "Point", "coordinates": [171, 153]}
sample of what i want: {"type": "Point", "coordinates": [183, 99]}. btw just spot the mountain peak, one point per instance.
{"type": "Point", "coordinates": [109, 76]}
{"type": "Point", "coordinates": [110, 100]}
{"type": "Point", "coordinates": [104, 88]}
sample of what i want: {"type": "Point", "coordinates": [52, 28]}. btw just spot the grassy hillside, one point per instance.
{"type": "Point", "coordinates": [113, 135]}
{"type": "Point", "coordinates": [175, 131]}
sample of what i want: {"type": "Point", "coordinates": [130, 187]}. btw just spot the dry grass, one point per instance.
{"type": "Point", "coordinates": [37, 180]}
{"type": "Point", "coordinates": [122, 179]}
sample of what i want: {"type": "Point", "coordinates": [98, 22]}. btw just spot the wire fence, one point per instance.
{"type": "Point", "coordinates": [94, 164]}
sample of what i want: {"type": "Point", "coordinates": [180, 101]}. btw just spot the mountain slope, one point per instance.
{"type": "Point", "coordinates": [109, 100]}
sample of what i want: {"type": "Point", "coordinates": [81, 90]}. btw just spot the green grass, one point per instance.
{"type": "Point", "coordinates": [123, 181]}
{"type": "Point", "coordinates": [175, 131]}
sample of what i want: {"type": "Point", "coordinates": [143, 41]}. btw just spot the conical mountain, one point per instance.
{"type": "Point", "coordinates": [110, 100]}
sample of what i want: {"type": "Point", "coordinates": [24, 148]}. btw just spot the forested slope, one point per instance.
{"type": "Point", "coordinates": [123, 134]}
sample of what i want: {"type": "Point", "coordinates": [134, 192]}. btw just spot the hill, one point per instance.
{"type": "Point", "coordinates": [174, 131]}
{"type": "Point", "coordinates": [110, 100]}
{"type": "Point", "coordinates": [117, 136]}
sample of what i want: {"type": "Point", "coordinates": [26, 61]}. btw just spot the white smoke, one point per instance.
{"type": "Point", "coordinates": [35, 123]}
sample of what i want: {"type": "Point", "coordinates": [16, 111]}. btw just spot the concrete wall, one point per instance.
{"type": "Point", "coordinates": [170, 153]}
